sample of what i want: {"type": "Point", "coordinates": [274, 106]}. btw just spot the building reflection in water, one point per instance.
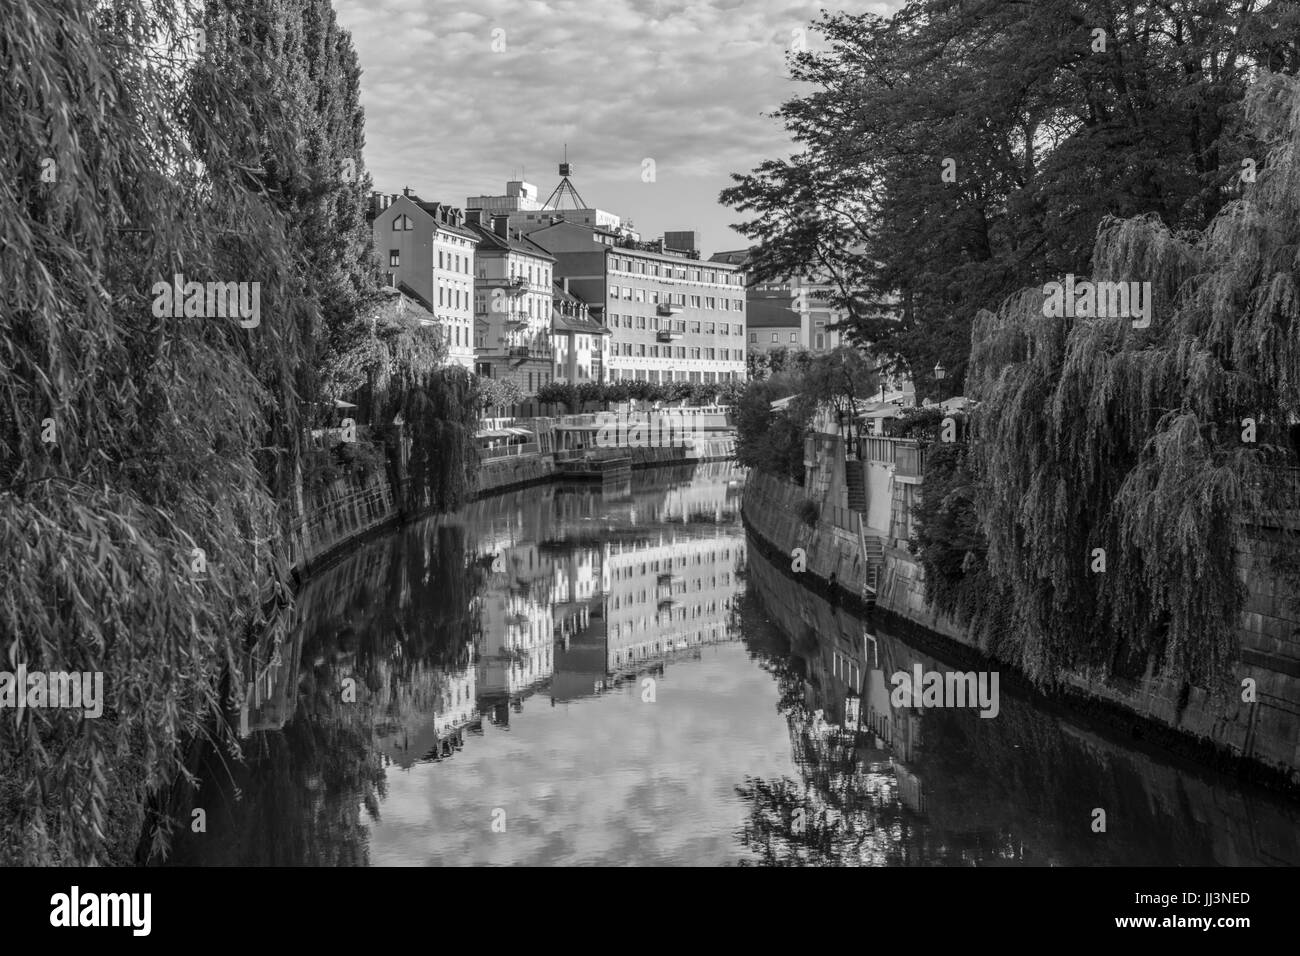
{"type": "Point", "coordinates": [582, 590]}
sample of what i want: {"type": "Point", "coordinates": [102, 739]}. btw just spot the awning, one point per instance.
{"type": "Point", "coordinates": [492, 433]}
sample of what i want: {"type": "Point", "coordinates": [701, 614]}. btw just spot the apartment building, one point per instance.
{"type": "Point", "coordinates": [425, 248]}
{"type": "Point", "coordinates": [796, 314]}
{"type": "Point", "coordinates": [513, 296]}
{"type": "Point", "coordinates": [672, 317]}
{"type": "Point", "coordinates": [667, 594]}
{"type": "Point", "coordinates": [579, 340]}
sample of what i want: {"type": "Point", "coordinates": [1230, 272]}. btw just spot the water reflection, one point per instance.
{"type": "Point", "coordinates": [613, 673]}
{"type": "Point", "coordinates": [881, 784]}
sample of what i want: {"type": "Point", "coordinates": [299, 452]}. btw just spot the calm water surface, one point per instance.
{"type": "Point", "coordinates": [564, 676]}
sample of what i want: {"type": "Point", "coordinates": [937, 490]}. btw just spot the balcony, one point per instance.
{"type": "Point", "coordinates": [669, 335]}
{"type": "Point", "coordinates": [517, 284]}
{"type": "Point", "coordinates": [518, 351]}
{"type": "Point", "coordinates": [667, 308]}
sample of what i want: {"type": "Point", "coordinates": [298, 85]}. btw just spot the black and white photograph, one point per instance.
{"type": "Point", "coordinates": [650, 434]}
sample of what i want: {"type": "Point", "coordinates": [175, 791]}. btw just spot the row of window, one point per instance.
{"type": "Point", "coordinates": [667, 271]}
{"type": "Point", "coordinates": [668, 375]}
{"type": "Point", "coordinates": [452, 262]}
{"type": "Point", "coordinates": [628, 294]}
{"type": "Point", "coordinates": [667, 351]}
{"type": "Point", "coordinates": [453, 299]}
{"type": "Point", "coordinates": [819, 340]}
{"type": "Point", "coordinates": [655, 323]}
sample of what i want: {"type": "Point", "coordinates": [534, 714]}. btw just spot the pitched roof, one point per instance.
{"type": "Point", "coordinates": [515, 242]}
{"type": "Point", "coordinates": [573, 323]}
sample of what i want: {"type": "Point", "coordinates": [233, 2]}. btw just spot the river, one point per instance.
{"type": "Point", "coordinates": [565, 676]}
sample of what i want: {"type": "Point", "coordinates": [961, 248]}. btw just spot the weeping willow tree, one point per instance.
{"type": "Point", "coordinates": [1097, 434]}
{"type": "Point", "coordinates": [146, 457]}
{"type": "Point", "coordinates": [439, 410]}
{"type": "Point", "coordinates": [386, 349]}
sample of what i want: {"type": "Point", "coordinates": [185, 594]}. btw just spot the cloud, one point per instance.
{"type": "Point", "coordinates": [455, 109]}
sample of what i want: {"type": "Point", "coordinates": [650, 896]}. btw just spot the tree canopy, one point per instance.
{"type": "Point", "coordinates": [962, 149]}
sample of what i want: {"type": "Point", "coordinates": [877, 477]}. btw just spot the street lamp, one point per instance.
{"type": "Point", "coordinates": [939, 370]}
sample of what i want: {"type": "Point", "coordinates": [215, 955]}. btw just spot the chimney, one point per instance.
{"type": "Point", "coordinates": [501, 226]}
{"type": "Point", "coordinates": [406, 191]}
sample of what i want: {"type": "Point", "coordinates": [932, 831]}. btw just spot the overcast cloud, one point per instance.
{"type": "Point", "coordinates": [684, 84]}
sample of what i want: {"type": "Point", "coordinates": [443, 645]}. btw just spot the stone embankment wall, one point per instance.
{"type": "Point", "coordinates": [351, 507]}
{"type": "Point", "coordinates": [1260, 739]}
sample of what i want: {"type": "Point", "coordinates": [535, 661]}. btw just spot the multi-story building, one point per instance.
{"type": "Point", "coordinates": [513, 294]}
{"type": "Point", "coordinates": [425, 249]}
{"type": "Point", "coordinates": [579, 340]}
{"type": "Point", "coordinates": [673, 317]}
{"type": "Point", "coordinates": [796, 314]}
{"type": "Point", "coordinates": [666, 595]}
{"type": "Point", "coordinates": [527, 213]}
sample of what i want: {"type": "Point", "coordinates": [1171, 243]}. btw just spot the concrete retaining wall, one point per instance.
{"type": "Point", "coordinates": [1264, 734]}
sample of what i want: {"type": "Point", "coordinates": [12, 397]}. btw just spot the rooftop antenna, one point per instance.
{"type": "Point", "coordinates": [565, 188]}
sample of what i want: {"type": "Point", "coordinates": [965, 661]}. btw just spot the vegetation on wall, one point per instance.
{"type": "Point", "coordinates": [1096, 436]}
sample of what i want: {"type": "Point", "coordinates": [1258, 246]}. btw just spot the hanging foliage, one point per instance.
{"type": "Point", "coordinates": [1114, 483]}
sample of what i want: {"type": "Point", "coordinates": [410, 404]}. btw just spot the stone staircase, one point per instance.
{"type": "Point", "coordinates": [855, 480]}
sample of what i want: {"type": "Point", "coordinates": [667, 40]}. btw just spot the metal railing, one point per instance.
{"type": "Point", "coordinates": [488, 455]}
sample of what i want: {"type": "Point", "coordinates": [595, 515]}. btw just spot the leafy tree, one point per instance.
{"type": "Point", "coordinates": [768, 439]}
{"type": "Point", "coordinates": [297, 73]}
{"type": "Point", "coordinates": [387, 346]}
{"type": "Point", "coordinates": [559, 393]}
{"type": "Point", "coordinates": [1043, 134]}
{"type": "Point", "coordinates": [1094, 434]}
{"type": "Point", "coordinates": [496, 392]}
{"type": "Point", "coordinates": [440, 415]}
{"type": "Point", "coordinates": [146, 459]}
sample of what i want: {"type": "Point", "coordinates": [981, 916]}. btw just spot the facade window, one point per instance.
{"type": "Point", "coordinates": [708, 328]}
{"type": "Point", "coordinates": [695, 302]}
{"type": "Point", "coordinates": [394, 257]}
{"type": "Point", "coordinates": [753, 336]}
{"type": "Point", "coordinates": [710, 302]}
{"type": "Point", "coordinates": [695, 328]}
{"type": "Point", "coordinates": [613, 292]}
{"type": "Point", "coordinates": [640, 321]}
{"type": "Point", "coordinates": [775, 338]}
{"type": "Point", "coordinates": [708, 354]}
{"type": "Point", "coordinates": [627, 293]}
{"type": "Point", "coordinates": [695, 353]}
{"type": "Point", "coordinates": [681, 351]}
{"type": "Point", "coordinates": [639, 296]}
{"type": "Point", "coordinates": [640, 351]}
{"type": "Point", "coordinates": [402, 223]}
{"type": "Point", "coordinates": [794, 336]}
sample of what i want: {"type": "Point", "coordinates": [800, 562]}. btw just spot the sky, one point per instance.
{"type": "Point", "coordinates": [462, 96]}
